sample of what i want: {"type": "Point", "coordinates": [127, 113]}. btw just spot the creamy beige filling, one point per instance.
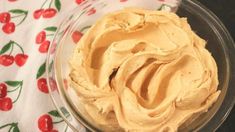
{"type": "Point", "coordinates": [143, 70]}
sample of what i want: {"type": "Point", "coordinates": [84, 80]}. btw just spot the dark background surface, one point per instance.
{"type": "Point", "coordinates": [225, 10]}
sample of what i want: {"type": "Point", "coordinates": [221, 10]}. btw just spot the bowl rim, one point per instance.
{"type": "Point", "coordinates": [228, 43]}
{"type": "Point", "coordinates": [68, 106]}
{"type": "Point", "coordinates": [230, 62]}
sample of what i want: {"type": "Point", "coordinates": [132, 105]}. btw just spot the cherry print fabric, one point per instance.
{"type": "Point", "coordinates": [27, 28]}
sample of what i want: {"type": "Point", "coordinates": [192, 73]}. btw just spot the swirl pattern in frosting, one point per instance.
{"type": "Point", "coordinates": [143, 70]}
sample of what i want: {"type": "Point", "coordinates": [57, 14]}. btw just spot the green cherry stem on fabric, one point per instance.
{"type": "Point", "coordinates": [50, 3]}
{"type": "Point", "coordinates": [9, 124]}
{"type": "Point", "coordinates": [56, 122]}
{"type": "Point", "coordinates": [17, 16]}
{"type": "Point", "coordinates": [84, 28]}
{"type": "Point", "coordinates": [43, 4]}
{"type": "Point", "coordinates": [17, 87]}
{"type": "Point", "coordinates": [11, 128]}
{"type": "Point", "coordinates": [50, 35]}
{"type": "Point", "coordinates": [19, 92]}
{"type": "Point", "coordinates": [18, 46]}
{"type": "Point", "coordinates": [14, 89]}
{"type": "Point", "coordinates": [25, 13]}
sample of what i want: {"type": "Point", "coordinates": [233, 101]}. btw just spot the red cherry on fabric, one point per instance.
{"type": "Point", "coordinates": [49, 13]}
{"type": "Point", "coordinates": [41, 36]}
{"type": "Point", "coordinates": [3, 90]}
{"type": "Point", "coordinates": [54, 131]}
{"type": "Point", "coordinates": [20, 59]}
{"type": "Point", "coordinates": [8, 27]}
{"type": "Point", "coordinates": [12, 0]}
{"type": "Point", "coordinates": [53, 84]}
{"type": "Point", "coordinates": [5, 17]}
{"type": "Point", "coordinates": [43, 48]}
{"type": "Point", "coordinates": [6, 60]}
{"type": "Point", "coordinates": [38, 13]}
{"type": "Point", "coordinates": [76, 36]}
{"type": "Point", "coordinates": [79, 1]}
{"type": "Point", "coordinates": [53, 48]}
{"type": "Point", "coordinates": [5, 104]}
{"type": "Point", "coordinates": [42, 85]}
{"type": "Point", "coordinates": [91, 11]}
{"type": "Point", "coordinates": [45, 123]}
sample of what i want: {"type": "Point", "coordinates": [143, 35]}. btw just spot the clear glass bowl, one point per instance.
{"type": "Point", "coordinates": [202, 21]}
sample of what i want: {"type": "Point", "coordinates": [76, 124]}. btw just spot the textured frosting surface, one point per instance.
{"type": "Point", "coordinates": [143, 70]}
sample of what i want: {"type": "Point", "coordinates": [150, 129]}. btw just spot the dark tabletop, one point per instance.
{"type": "Point", "coordinates": [225, 10]}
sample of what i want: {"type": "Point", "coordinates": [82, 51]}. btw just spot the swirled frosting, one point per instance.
{"type": "Point", "coordinates": [143, 70]}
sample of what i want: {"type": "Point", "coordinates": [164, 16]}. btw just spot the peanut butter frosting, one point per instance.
{"type": "Point", "coordinates": [143, 70]}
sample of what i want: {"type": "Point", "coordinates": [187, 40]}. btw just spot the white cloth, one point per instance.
{"type": "Point", "coordinates": [32, 102]}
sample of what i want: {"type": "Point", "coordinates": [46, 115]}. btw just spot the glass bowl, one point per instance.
{"type": "Point", "coordinates": [202, 21]}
